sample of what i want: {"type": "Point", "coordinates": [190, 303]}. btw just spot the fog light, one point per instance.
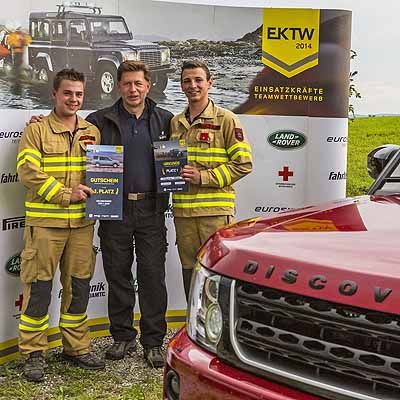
{"type": "Point", "coordinates": [213, 323]}
{"type": "Point", "coordinates": [173, 385]}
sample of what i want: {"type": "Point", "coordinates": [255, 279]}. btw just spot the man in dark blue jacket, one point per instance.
{"type": "Point", "coordinates": [135, 122]}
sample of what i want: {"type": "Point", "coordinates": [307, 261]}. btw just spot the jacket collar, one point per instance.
{"type": "Point", "coordinates": [112, 112]}
{"type": "Point", "coordinates": [208, 113]}
{"type": "Point", "coordinates": [58, 127]}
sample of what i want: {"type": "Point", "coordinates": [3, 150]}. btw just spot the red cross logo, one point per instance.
{"type": "Point", "coordinates": [18, 303]}
{"type": "Point", "coordinates": [285, 173]}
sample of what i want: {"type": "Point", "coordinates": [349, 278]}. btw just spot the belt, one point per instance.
{"type": "Point", "coordinates": [140, 196]}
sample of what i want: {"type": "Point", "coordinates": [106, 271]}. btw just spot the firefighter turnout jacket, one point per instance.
{"type": "Point", "coordinates": [51, 160]}
{"type": "Point", "coordinates": [218, 147]}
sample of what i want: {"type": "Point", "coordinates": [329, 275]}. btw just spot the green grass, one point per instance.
{"type": "Point", "coordinates": [125, 380]}
{"type": "Point", "coordinates": [364, 135]}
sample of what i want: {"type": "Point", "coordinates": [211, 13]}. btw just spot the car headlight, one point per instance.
{"type": "Point", "coordinates": [165, 56]}
{"type": "Point", "coordinates": [130, 55]}
{"type": "Point", "coordinates": [205, 322]}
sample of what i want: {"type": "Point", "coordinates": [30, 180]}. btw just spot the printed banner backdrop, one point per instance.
{"type": "Point", "coordinates": [283, 71]}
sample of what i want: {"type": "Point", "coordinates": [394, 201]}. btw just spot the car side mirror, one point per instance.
{"type": "Point", "coordinates": [378, 158]}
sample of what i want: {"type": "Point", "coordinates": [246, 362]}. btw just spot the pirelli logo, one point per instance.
{"type": "Point", "coordinates": [13, 223]}
{"type": "Point", "coordinates": [290, 41]}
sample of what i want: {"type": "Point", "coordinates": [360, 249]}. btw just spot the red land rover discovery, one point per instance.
{"type": "Point", "coordinates": [301, 306]}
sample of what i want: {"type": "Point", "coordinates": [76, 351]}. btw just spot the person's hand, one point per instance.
{"type": "Point", "coordinates": [191, 174]}
{"type": "Point", "coordinates": [35, 118]}
{"type": "Point", "coordinates": [80, 193]}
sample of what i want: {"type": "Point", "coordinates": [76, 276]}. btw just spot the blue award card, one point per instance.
{"type": "Point", "coordinates": [104, 174]}
{"type": "Point", "coordinates": [170, 157]}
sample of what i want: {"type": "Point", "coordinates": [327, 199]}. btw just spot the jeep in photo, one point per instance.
{"type": "Point", "coordinates": [177, 153]}
{"type": "Point", "coordinates": [105, 161]}
{"type": "Point", "coordinates": [303, 305]}
{"type": "Point", "coordinates": [92, 43]}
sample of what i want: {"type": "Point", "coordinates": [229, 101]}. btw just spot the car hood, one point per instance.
{"type": "Point", "coordinates": [345, 251]}
{"type": "Point", "coordinates": [129, 44]}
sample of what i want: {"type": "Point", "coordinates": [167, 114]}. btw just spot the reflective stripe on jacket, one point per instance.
{"type": "Point", "coordinates": [218, 147]}
{"type": "Point", "coordinates": [51, 160]}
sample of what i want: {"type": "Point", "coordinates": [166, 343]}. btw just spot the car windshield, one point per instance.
{"type": "Point", "coordinates": [388, 182]}
{"type": "Point", "coordinates": [105, 29]}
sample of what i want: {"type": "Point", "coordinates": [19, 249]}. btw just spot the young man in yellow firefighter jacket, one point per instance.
{"type": "Point", "coordinates": [51, 163]}
{"type": "Point", "coordinates": [218, 155]}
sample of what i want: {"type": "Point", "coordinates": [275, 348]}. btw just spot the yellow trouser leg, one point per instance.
{"type": "Point", "coordinates": [76, 266]}
{"type": "Point", "coordinates": [44, 249]}
{"type": "Point", "coordinates": [32, 330]}
{"type": "Point", "coordinates": [193, 232]}
{"type": "Point", "coordinates": [39, 260]}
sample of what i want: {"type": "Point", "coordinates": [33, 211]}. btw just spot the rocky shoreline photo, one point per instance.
{"type": "Point", "coordinates": [233, 64]}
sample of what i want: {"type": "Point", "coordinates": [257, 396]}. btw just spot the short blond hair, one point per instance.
{"type": "Point", "coordinates": [132, 66]}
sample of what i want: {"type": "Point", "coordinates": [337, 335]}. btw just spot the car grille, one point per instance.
{"type": "Point", "coordinates": [151, 57]}
{"type": "Point", "coordinates": [338, 349]}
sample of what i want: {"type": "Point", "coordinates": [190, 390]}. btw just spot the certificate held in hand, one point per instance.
{"type": "Point", "coordinates": [170, 157]}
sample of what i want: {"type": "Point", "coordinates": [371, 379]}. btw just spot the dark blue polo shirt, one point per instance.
{"type": "Point", "coordinates": [139, 173]}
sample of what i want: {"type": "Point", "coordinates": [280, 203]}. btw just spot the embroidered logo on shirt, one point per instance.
{"type": "Point", "coordinates": [162, 136]}
{"type": "Point", "coordinates": [239, 134]}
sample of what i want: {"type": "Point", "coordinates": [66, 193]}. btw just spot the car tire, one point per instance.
{"type": "Point", "coordinates": [43, 74]}
{"type": "Point", "coordinates": [107, 80]}
{"type": "Point", "coordinates": [159, 83]}
{"type": "Point", "coordinates": [97, 165]}
{"type": "Point", "coordinates": [115, 165]}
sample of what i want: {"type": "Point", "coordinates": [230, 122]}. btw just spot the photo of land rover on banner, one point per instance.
{"type": "Point", "coordinates": [81, 37]}
{"type": "Point", "coordinates": [95, 40]}
{"type": "Point", "coordinates": [300, 306]}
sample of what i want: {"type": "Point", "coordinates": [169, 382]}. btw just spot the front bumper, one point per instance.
{"type": "Point", "coordinates": [203, 376]}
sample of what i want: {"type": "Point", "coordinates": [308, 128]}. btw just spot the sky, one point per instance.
{"type": "Point", "coordinates": [375, 32]}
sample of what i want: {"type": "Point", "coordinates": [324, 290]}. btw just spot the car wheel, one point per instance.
{"type": "Point", "coordinates": [43, 74]}
{"type": "Point", "coordinates": [107, 80]}
{"type": "Point", "coordinates": [115, 165]}
{"type": "Point", "coordinates": [159, 83]}
{"type": "Point", "coordinates": [97, 165]}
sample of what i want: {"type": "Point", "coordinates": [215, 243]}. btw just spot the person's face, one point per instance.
{"type": "Point", "coordinates": [133, 88]}
{"type": "Point", "coordinates": [68, 98]}
{"type": "Point", "coordinates": [195, 84]}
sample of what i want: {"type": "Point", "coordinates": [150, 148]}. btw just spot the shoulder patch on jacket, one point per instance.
{"type": "Point", "coordinates": [239, 134]}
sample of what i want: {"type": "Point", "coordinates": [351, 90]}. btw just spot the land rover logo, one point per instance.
{"type": "Point", "coordinates": [287, 140]}
{"type": "Point", "coordinates": [13, 265]}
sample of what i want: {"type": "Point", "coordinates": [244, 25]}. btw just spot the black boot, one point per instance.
{"type": "Point", "coordinates": [187, 278]}
{"type": "Point", "coordinates": [34, 367]}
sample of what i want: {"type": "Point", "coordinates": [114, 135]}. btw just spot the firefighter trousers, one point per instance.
{"type": "Point", "coordinates": [193, 232]}
{"type": "Point", "coordinates": [45, 248]}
